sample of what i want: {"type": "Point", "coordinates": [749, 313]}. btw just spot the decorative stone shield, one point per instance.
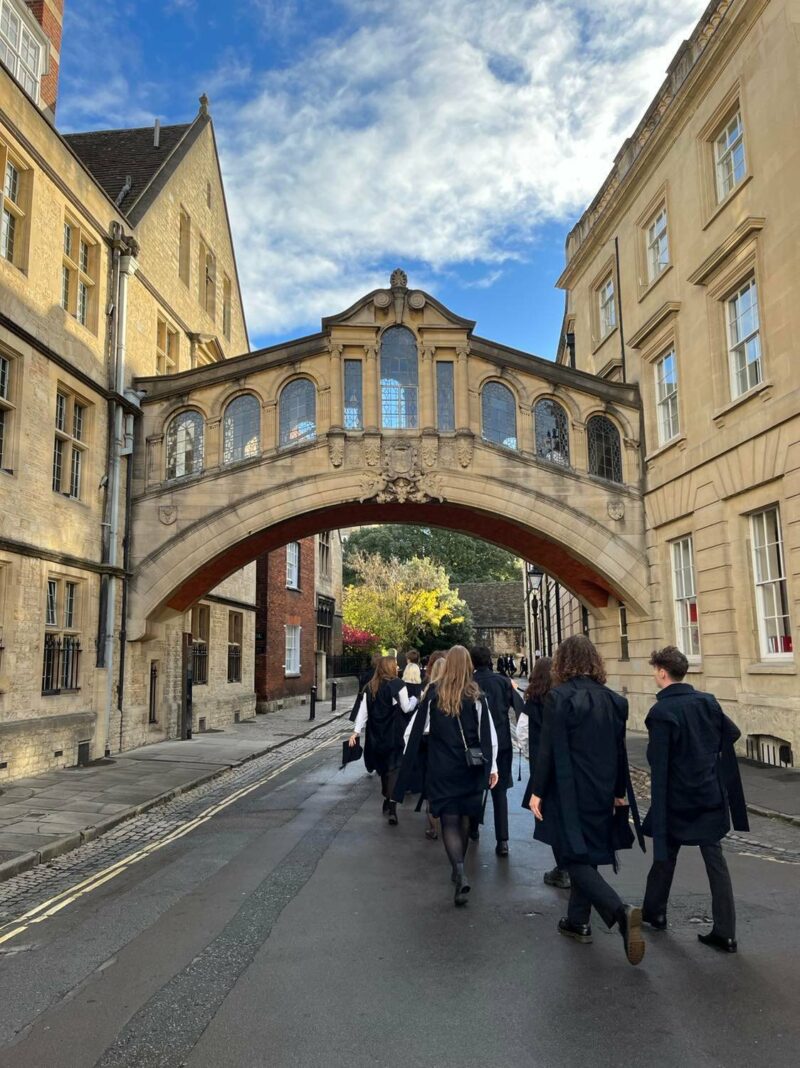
{"type": "Point", "coordinates": [167, 514]}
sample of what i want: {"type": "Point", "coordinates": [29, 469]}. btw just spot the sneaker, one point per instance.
{"type": "Point", "coordinates": [579, 932]}
{"type": "Point", "coordinates": [558, 878]}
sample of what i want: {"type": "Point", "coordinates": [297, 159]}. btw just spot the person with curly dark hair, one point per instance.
{"type": "Point", "coordinates": [579, 781]}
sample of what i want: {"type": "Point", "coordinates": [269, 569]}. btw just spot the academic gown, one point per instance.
{"type": "Point", "coordinates": [450, 785]}
{"type": "Point", "coordinates": [580, 767]}
{"type": "Point", "coordinates": [501, 696]}
{"type": "Point", "coordinates": [363, 680]}
{"type": "Point", "coordinates": [696, 788]}
{"type": "Point", "coordinates": [383, 748]}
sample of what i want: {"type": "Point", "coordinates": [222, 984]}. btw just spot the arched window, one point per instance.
{"type": "Point", "coordinates": [552, 435]}
{"type": "Point", "coordinates": [605, 454]}
{"type": "Point", "coordinates": [499, 415]}
{"type": "Point", "coordinates": [185, 445]}
{"type": "Point", "coordinates": [298, 412]}
{"type": "Point", "coordinates": [241, 429]}
{"type": "Point", "coordinates": [399, 379]}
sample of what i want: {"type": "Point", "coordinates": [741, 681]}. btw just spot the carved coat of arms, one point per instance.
{"type": "Point", "coordinates": [401, 477]}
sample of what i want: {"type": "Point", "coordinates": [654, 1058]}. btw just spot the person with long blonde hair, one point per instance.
{"type": "Point", "coordinates": [462, 757]}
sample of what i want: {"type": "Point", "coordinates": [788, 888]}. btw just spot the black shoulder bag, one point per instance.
{"type": "Point", "coordinates": [472, 753]}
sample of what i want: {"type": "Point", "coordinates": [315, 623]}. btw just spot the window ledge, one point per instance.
{"type": "Point", "coordinates": [772, 667]}
{"type": "Point", "coordinates": [679, 439]}
{"type": "Point", "coordinates": [722, 205]}
{"type": "Point", "coordinates": [646, 289]}
{"type": "Point", "coordinates": [295, 588]}
{"type": "Point", "coordinates": [695, 668]}
{"type": "Point", "coordinates": [720, 413]}
{"type": "Point", "coordinates": [597, 343]}
{"type": "Point", "coordinates": [291, 674]}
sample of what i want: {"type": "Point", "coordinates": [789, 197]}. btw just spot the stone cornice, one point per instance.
{"type": "Point", "coordinates": [666, 311]}
{"type": "Point", "coordinates": [711, 264]}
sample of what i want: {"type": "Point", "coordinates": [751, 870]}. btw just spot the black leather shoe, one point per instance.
{"type": "Point", "coordinates": [724, 945]}
{"type": "Point", "coordinates": [629, 920]}
{"type": "Point", "coordinates": [557, 877]}
{"type": "Point", "coordinates": [462, 887]}
{"type": "Point", "coordinates": [385, 806]}
{"type": "Point", "coordinates": [580, 932]}
{"type": "Point", "coordinates": [393, 813]}
{"type": "Point", "coordinates": [501, 849]}
{"type": "Point", "coordinates": [474, 836]}
{"type": "Point", "coordinates": [658, 923]}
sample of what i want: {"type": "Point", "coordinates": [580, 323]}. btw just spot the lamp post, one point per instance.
{"type": "Point", "coordinates": [533, 581]}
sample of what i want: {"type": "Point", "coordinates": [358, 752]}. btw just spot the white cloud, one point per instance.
{"type": "Point", "coordinates": [444, 133]}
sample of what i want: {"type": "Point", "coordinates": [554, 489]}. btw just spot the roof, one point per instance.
{"type": "Point", "coordinates": [112, 155]}
{"type": "Point", "coordinates": [494, 604]}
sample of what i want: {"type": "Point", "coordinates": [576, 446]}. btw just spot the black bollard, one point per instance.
{"type": "Point", "coordinates": [334, 687]}
{"type": "Point", "coordinates": [312, 713]}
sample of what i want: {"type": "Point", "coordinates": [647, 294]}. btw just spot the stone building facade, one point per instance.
{"type": "Point", "coordinates": [498, 615]}
{"type": "Point", "coordinates": [682, 277]}
{"type": "Point", "coordinates": [116, 261]}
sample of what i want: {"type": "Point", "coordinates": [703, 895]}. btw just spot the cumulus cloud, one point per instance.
{"type": "Point", "coordinates": [438, 133]}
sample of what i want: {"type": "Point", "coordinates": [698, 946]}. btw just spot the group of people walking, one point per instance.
{"type": "Point", "coordinates": [448, 738]}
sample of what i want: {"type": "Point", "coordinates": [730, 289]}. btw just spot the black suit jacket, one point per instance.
{"type": "Point", "coordinates": [501, 696]}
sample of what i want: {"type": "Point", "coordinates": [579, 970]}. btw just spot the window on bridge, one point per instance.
{"type": "Point", "coordinates": [298, 412]}
{"type": "Point", "coordinates": [552, 434]}
{"type": "Point", "coordinates": [185, 445]}
{"type": "Point", "coordinates": [499, 415]}
{"type": "Point", "coordinates": [605, 453]}
{"type": "Point", "coordinates": [445, 395]}
{"type": "Point", "coordinates": [399, 379]}
{"type": "Point", "coordinates": [241, 429]}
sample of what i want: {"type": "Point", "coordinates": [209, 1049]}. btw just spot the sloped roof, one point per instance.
{"type": "Point", "coordinates": [494, 604]}
{"type": "Point", "coordinates": [112, 155]}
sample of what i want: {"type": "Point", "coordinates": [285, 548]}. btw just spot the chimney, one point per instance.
{"type": "Point", "coordinates": [157, 133]}
{"type": "Point", "coordinates": [50, 16]}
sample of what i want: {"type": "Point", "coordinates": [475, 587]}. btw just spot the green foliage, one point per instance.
{"type": "Point", "coordinates": [464, 558]}
{"type": "Point", "coordinates": [451, 632]}
{"type": "Point", "coordinates": [400, 600]}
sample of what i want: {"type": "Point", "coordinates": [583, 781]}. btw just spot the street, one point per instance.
{"type": "Point", "coordinates": [273, 918]}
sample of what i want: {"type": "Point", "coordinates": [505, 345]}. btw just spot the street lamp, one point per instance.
{"type": "Point", "coordinates": [533, 578]}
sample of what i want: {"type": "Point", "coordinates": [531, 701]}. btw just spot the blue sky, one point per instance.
{"type": "Point", "coordinates": [459, 139]}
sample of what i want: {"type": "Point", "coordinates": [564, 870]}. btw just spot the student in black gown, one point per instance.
{"type": "Point", "coordinates": [529, 731]}
{"type": "Point", "coordinates": [457, 723]}
{"type": "Point", "coordinates": [580, 775]}
{"type": "Point", "coordinates": [363, 680]}
{"type": "Point", "coordinates": [695, 785]}
{"type": "Point", "coordinates": [383, 703]}
{"type": "Point", "coordinates": [502, 697]}
{"type": "Point", "coordinates": [433, 673]}
{"type": "Point", "coordinates": [412, 676]}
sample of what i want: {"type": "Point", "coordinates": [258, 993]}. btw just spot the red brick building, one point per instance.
{"type": "Point", "coordinates": [286, 622]}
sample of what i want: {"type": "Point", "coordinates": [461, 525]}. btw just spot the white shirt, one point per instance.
{"type": "Point", "coordinates": [408, 704]}
{"type": "Point", "coordinates": [479, 710]}
{"type": "Point", "coordinates": [522, 733]}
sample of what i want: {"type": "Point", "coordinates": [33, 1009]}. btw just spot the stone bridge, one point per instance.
{"type": "Point", "coordinates": [394, 412]}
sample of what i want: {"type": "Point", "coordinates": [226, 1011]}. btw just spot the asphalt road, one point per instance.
{"type": "Point", "coordinates": [296, 928]}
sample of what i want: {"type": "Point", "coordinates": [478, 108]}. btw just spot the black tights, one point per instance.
{"type": "Point", "coordinates": [388, 780]}
{"type": "Point", "coordinates": [455, 835]}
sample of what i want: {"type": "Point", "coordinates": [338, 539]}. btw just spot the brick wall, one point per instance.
{"type": "Point", "coordinates": [279, 606]}
{"type": "Point", "coordinates": [50, 15]}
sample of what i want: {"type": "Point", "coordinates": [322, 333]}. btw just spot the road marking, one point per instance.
{"type": "Point", "coordinates": [67, 897]}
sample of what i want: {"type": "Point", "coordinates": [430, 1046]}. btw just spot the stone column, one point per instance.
{"type": "Point", "coordinates": [371, 387]}
{"type": "Point", "coordinates": [427, 388]}
{"type": "Point", "coordinates": [213, 444]}
{"type": "Point", "coordinates": [462, 390]}
{"type": "Point", "coordinates": [337, 404]}
{"type": "Point", "coordinates": [270, 419]}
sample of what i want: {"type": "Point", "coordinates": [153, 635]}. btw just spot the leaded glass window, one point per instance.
{"type": "Point", "coordinates": [445, 396]}
{"type": "Point", "coordinates": [399, 379]}
{"type": "Point", "coordinates": [241, 429]}
{"type": "Point", "coordinates": [298, 412]}
{"type": "Point", "coordinates": [605, 452]}
{"type": "Point", "coordinates": [353, 395]}
{"type": "Point", "coordinates": [185, 445]}
{"type": "Point", "coordinates": [552, 434]}
{"type": "Point", "coordinates": [499, 415]}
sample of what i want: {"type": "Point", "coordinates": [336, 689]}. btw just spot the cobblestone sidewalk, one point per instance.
{"type": "Point", "coordinates": [46, 815]}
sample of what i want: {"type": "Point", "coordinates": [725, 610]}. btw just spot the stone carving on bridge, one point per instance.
{"type": "Point", "coordinates": [401, 476]}
{"type": "Point", "coordinates": [465, 446]}
{"type": "Point", "coordinates": [336, 449]}
{"type": "Point", "coordinates": [372, 450]}
{"type": "Point", "coordinates": [429, 449]}
{"type": "Point", "coordinates": [616, 508]}
{"type": "Point", "coordinates": [167, 514]}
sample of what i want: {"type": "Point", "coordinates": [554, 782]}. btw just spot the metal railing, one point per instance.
{"type": "Point", "coordinates": [199, 663]}
{"type": "Point", "coordinates": [347, 664]}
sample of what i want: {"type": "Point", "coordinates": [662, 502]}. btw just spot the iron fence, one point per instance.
{"type": "Point", "coordinates": [347, 664]}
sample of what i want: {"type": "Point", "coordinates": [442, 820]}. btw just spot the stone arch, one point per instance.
{"type": "Point", "coordinates": [236, 389]}
{"type": "Point", "coordinates": [584, 553]}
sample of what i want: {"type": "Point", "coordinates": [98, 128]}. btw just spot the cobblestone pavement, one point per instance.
{"type": "Point", "coordinates": [45, 882]}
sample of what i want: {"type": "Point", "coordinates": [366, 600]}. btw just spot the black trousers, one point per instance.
{"type": "Point", "coordinates": [500, 809]}
{"type": "Point", "coordinates": [659, 882]}
{"type": "Point", "coordinates": [590, 888]}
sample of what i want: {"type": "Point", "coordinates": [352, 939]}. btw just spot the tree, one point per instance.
{"type": "Point", "coordinates": [400, 600]}
{"type": "Point", "coordinates": [359, 641]}
{"type": "Point", "coordinates": [464, 558]}
{"type": "Point", "coordinates": [451, 632]}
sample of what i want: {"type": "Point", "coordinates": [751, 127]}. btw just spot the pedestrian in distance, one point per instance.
{"type": "Point", "coordinates": [383, 703]}
{"type": "Point", "coordinates": [502, 665]}
{"type": "Point", "coordinates": [529, 732]}
{"type": "Point", "coordinates": [502, 697]}
{"type": "Point", "coordinates": [577, 791]}
{"type": "Point", "coordinates": [462, 758]}
{"type": "Point", "coordinates": [696, 793]}
{"type": "Point", "coordinates": [512, 665]}
{"type": "Point", "coordinates": [523, 667]}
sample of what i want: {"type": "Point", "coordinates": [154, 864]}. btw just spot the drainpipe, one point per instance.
{"type": "Point", "coordinates": [621, 326]}
{"type": "Point", "coordinates": [127, 268]}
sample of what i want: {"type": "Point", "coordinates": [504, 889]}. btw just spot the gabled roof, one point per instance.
{"type": "Point", "coordinates": [113, 155]}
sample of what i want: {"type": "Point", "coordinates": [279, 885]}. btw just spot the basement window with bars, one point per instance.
{"type": "Point", "coordinates": [62, 638]}
{"type": "Point", "coordinates": [235, 630]}
{"type": "Point", "coordinates": [79, 269]}
{"type": "Point", "coordinates": [70, 445]}
{"type": "Point", "coordinates": [201, 623]}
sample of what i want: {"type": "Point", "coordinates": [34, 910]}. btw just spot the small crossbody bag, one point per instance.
{"type": "Point", "coordinates": [472, 753]}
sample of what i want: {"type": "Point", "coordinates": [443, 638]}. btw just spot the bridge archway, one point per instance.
{"type": "Point", "coordinates": [191, 532]}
